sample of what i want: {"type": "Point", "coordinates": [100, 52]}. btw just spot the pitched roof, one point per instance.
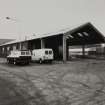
{"type": "Point", "coordinates": [94, 36]}
{"type": "Point", "coordinates": [85, 34]}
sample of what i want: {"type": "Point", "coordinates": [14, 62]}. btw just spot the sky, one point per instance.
{"type": "Point", "coordinates": [37, 17]}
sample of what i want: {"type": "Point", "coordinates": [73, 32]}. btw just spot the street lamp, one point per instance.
{"type": "Point", "coordinates": [8, 18]}
{"type": "Point", "coordinates": [15, 20]}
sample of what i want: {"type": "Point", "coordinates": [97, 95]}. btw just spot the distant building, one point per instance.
{"type": "Point", "coordinates": [3, 41]}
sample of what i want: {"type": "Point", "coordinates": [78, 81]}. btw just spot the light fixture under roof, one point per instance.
{"type": "Point", "coordinates": [70, 36]}
{"type": "Point", "coordinates": [85, 33]}
{"type": "Point", "coordinates": [67, 37]}
{"type": "Point", "coordinates": [80, 34]}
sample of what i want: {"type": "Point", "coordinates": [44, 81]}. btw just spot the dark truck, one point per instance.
{"type": "Point", "coordinates": [19, 57]}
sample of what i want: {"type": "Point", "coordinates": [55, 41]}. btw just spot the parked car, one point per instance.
{"type": "Point", "coordinates": [42, 55]}
{"type": "Point", "coordinates": [19, 57]}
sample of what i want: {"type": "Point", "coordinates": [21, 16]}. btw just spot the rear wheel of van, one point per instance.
{"type": "Point", "coordinates": [40, 61]}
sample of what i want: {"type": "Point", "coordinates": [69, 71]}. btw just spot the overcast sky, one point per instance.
{"type": "Point", "coordinates": [44, 16]}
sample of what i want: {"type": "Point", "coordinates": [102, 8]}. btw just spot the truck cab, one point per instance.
{"type": "Point", "coordinates": [42, 55]}
{"type": "Point", "coordinates": [19, 56]}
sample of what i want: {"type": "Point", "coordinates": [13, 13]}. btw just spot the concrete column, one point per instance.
{"type": "Point", "coordinates": [20, 46]}
{"type": "Point", "coordinates": [14, 47]}
{"type": "Point", "coordinates": [25, 45]}
{"type": "Point", "coordinates": [64, 48]}
{"type": "Point", "coordinates": [42, 43]}
{"type": "Point", "coordinates": [67, 51]}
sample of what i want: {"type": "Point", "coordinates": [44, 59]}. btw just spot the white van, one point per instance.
{"type": "Point", "coordinates": [42, 55]}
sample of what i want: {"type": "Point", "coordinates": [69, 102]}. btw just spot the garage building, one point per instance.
{"type": "Point", "coordinates": [60, 41]}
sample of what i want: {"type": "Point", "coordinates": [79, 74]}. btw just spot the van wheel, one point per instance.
{"type": "Point", "coordinates": [14, 62]}
{"type": "Point", "coordinates": [40, 61]}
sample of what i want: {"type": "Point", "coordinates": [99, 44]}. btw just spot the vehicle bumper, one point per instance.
{"type": "Point", "coordinates": [20, 59]}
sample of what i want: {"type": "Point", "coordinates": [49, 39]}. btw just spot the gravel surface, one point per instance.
{"type": "Point", "coordinates": [74, 83]}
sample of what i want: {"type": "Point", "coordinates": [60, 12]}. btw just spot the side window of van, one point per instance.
{"type": "Point", "coordinates": [50, 52]}
{"type": "Point", "coordinates": [46, 52]}
{"type": "Point", "coordinates": [22, 53]}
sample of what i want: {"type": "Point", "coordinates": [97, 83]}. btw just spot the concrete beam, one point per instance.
{"type": "Point", "coordinates": [64, 48]}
